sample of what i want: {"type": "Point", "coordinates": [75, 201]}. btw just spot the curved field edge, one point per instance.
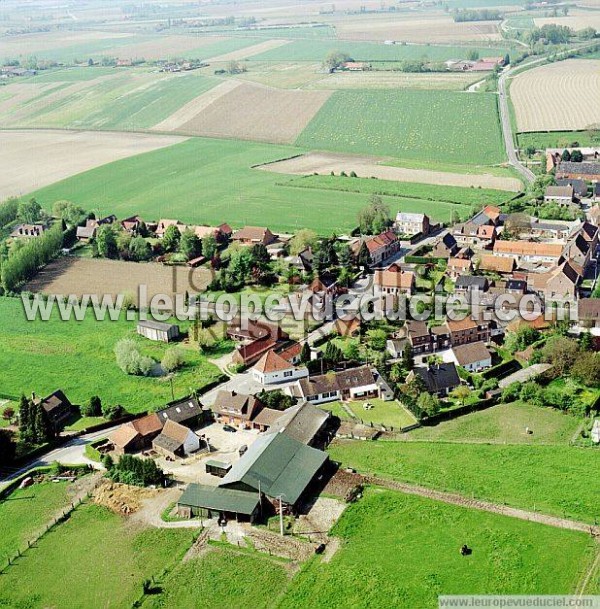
{"type": "Point", "coordinates": [555, 480]}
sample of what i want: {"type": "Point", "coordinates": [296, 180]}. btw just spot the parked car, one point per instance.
{"type": "Point", "coordinates": [229, 428]}
{"type": "Point", "coordinates": [320, 548]}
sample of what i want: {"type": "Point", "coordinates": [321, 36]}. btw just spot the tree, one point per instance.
{"type": "Point", "coordinates": [302, 240]}
{"type": "Point", "coordinates": [364, 256]}
{"type": "Point", "coordinates": [334, 60]}
{"type": "Point", "coordinates": [29, 211]}
{"type": "Point", "coordinates": [8, 447]}
{"type": "Point", "coordinates": [24, 419]}
{"type": "Point", "coordinates": [106, 242]}
{"type": "Point", "coordinates": [172, 359]}
{"type": "Point", "coordinates": [305, 354]}
{"type": "Point", "coordinates": [332, 353]}
{"type": "Point", "coordinates": [375, 217]}
{"type": "Point", "coordinates": [276, 399]}
{"type": "Point", "coordinates": [521, 339]}
{"type": "Point", "coordinates": [130, 360]}
{"type": "Point", "coordinates": [507, 59]}
{"type": "Point", "coordinates": [408, 361]}
{"type": "Point", "coordinates": [234, 67]}
{"type": "Point", "coordinates": [576, 156]}
{"type": "Point", "coordinates": [93, 408]}
{"type": "Point", "coordinates": [566, 155]}
{"type": "Point", "coordinates": [586, 341]}
{"type": "Point", "coordinates": [140, 249]}
{"type": "Point", "coordinates": [112, 411]}
{"type": "Point", "coordinates": [461, 393]}
{"type": "Point", "coordinates": [170, 240]}
{"type": "Point", "coordinates": [376, 339]}
{"type": "Point", "coordinates": [8, 414]}
{"type": "Point", "coordinates": [345, 258]}
{"type": "Point", "coordinates": [352, 351]}
{"type": "Point", "coordinates": [190, 245]}
{"type": "Point", "coordinates": [69, 212]}
{"type": "Point", "coordinates": [561, 352]}
{"type": "Point", "coordinates": [473, 55]}
{"type": "Point", "coordinates": [108, 462]}
{"type": "Point", "coordinates": [429, 404]}
{"type": "Point", "coordinates": [587, 368]}
{"type": "Point", "coordinates": [209, 246]}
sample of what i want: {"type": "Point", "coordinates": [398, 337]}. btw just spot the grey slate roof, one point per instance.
{"type": "Point", "coordinates": [301, 422]}
{"type": "Point", "coordinates": [439, 377]}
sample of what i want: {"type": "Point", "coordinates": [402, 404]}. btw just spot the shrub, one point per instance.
{"type": "Point", "coordinates": [130, 360]}
{"type": "Point", "coordinates": [172, 359]}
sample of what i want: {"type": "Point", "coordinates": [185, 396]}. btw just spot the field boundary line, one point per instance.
{"type": "Point", "coordinates": [485, 506]}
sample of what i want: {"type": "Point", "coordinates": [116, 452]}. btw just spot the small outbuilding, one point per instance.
{"type": "Point", "coordinates": [175, 440]}
{"type": "Point", "coordinates": [158, 331]}
{"type": "Point", "coordinates": [199, 500]}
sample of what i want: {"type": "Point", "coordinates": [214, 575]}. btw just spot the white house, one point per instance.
{"type": "Point", "coordinates": [272, 368]}
{"type": "Point", "coordinates": [411, 224]}
{"type": "Point", "coordinates": [472, 356]}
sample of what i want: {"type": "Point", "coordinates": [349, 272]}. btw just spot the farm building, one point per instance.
{"type": "Point", "coordinates": [136, 435]}
{"type": "Point", "coordinates": [578, 171]}
{"type": "Point", "coordinates": [304, 423]}
{"type": "Point", "coordinates": [411, 224]}
{"type": "Point", "coordinates": [252, 235]}
{"type": "Point", "coordinates": [188, 412]}
{"type": "Point", "coordinates": [394, 281]}
{"type": "Point", "coordinates": [175, 440]}
{"type": "Point", "coordinates": [217, 468]}
{"type": "Point", "coordinates": [28, 231]}
{"type": "Point", "coordinates": [58, 408]}
{"type": "Point", "coordinates": [199, 500]}
{"type": "Point", "coordinates": [158, 331]}
{"type": "Point", "coordinates": [563, 195]}
{"type": "Point", "coordinates": [236, 409]}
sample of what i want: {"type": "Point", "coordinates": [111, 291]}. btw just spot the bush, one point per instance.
{"type": "Point", "coordinates": [136, 471]}
{"type": "Point", "coordinates": [172, 359]}
{"type": "Point", "coordinates": [93, 408]}
{"type": "Point", "coordinates": [130, 360]}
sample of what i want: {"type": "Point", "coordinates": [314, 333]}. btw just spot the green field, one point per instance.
{"type": "Point", "coordinates": [403, 551]}
{"type": "Point", "coordinates": [558, 139]}
{"type": "Point", "coordinates": [551, 479]}
{"type": "Point", "coordinates": [432, 126]}
{"type": "Point", "coordinates": [212, 181]}
{"type": "Point", "coordinates": [317, 50]}
{"type": "Point", "coordinates": [222, 579]}
{"type": "Point", "coordinates": [95, 559]}
{"type": "Point", "coordinates": [129, 101]}
{"type": "Point", "coordinates": [24, 513]}
{"type": "Point", "coordinates": [405, 190]}
{"type": "Point", "coordinates": [75, 74]}
{"type": "Point", "coordinates": [390, 414]}
{"type": "Point", "coordinates": [504, 424]}
{"type": "Point", "coordinates": [78, 357]}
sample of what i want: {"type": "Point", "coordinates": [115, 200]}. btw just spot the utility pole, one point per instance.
{"type": "Point", "coordinates": [280, 515]}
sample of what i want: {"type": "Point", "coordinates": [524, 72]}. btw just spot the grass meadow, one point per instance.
{"type": "Point", "coordinates": [432, 126]}
{"type": "Point", "coordinates": [212, 181]}
{"type": "Point", "coordinates": [223, 578]}
{"type": "Point", "coordinates": [555, 480]}
{"type": "Point", "coordinates": [558, 139]}
{"type": "Point", "coordinates": [78, 357]}
{"type": "Point", "coordinates": [504, 424]}
{"type": "Point", "coordinates": [95, 559]}
{"type": "Point", "coordinates": [403, 551]}
{"type": "Point", "coordinates": [24, 513]}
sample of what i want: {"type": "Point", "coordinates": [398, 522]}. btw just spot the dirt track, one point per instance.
{"type": "Point", "coordinates": [34, 159]}
{"type": "Point", "coordinates": [366, 167]}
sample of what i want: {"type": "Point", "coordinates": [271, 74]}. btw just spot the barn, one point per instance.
{"type": "Point", "coordinates": [158, 331]}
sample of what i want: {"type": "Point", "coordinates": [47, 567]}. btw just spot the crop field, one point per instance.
{"type": "Point", "coordinates": [205, 181]}
{"type": "Point", "coordinates": [403, 551]}
{"type": "Point", "coordinates": [373, 167]}
{"type": "Point", "coordinates": [424, 125]}
{"type": "Point", "coordinates": [106, 560]}
{"type": "Point", "coordinates": [425, 28]}
{"type": "Point", "coordinates": [72, 275]}
{"type": "Point", "coordinates": [223, 578]}
{"type": "Point", "coordinates": [255, 112]}
{"type": "Point", "coordinates": [550, 479]}
{"type": "Point", "coordinates": [504, 424]}
{"type": "Point", "coordinates": [248, 51]}
{"type": "Point", "coordinates": [317, 50]}
{"type": "Point", "coordinates": [283, 74]}
{"type": "Point", "coordinates": [41, 356]}
{"type": "Point", "coordinates": [25, 512]}
{"type": "Point", "coordinates": [34, 159]}
{"type": "Point", "coordinates": [576, 20]}
{"type": "Point", "coordinates": [534, 95]}
{"type": "Point", "coordinates": [120, 101]}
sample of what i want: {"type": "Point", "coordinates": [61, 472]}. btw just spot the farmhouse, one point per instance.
{"type": "Point", "coordinates": [175, 440]}
{"type": "Point", "coordinates": [279, 467]}
{"type": "Point", "coordinates": [471, 283]}
{"type": "Point", "coordinates": [439, 379]}
{"type": "Point", "coordinates": [560, 283]}
{"type": "Point", "coordinates": [58, 408]}
{"type": "Point", "coordinates": [29, 231]}
{"type": "Point", "coordinates": [272, 368]}
{"type": "Point", "coordinates": [158, 331]}
{"type": "Point", "coordinates": [580, 188]}
{"type": "Point", "coordinates": [132, 224]}
{"type": "Point", "coordinates": [472, 357]}
{"type": "Point", "coordinates": [563, 195]}
{"type": "Point", "coordinates": [136, 435]}
{"type": "Point", "coordinates": [380, 247]}
{"type": "Point", "coordinates": [394, 281]}
{"type": "Point", "coordinates": [589, 171]}
{"type": "Point", "coordinates": [356, 66]}
{"type": "Point", "coordinates": [237, 409]}
{"type": "Point", "coordinates": [527, 251]}
{"type": "Point", "coordinates": [163, 225]}
{"type": "Point", "coordinates": [411, 224]}
{"type": "Point", "coordinates": [445, 247]}
{"type": "Point", "coordinates": [188, 412]}
{"type": "Point", "coordinates": [253, 235]}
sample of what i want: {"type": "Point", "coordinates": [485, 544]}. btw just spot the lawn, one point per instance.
{"type": "Point", "coordinates": [78, 357]}
{"type": "Point", "coordinates": [389, 414]}
{"type": "Point", "coordinates": [24, 513]}
{"type": "Point", "coordinates": [403, 551]}
{"type": "Point", "coordinates": [558, 139]}
{"type": "Point", "coordinates": [222, 579]}
{"type": "Point", "coordinates": [556, 480]}
{"type": "Point", "coordinates": [95, 559]}
{"type": "Point", "coordinates": [212, 181]}
{"type": "Point", "coordinates": [504, 424]}
{"type": "Point", "coordinates": [405, 190]}
{"type": "Point", "coordinates": [317, 50]}
{"type": "Point", "coordinates": [447, 126]}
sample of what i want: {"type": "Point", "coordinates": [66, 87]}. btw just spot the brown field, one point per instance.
{"type": "Point", "coordinates": [366, 167]}
{"type": "Point", "coordinates": [33, 159]}
{"type": "Point", "coordinates": [256, 112]}
{"type": "Point", "coordinates": [434, 29]}
{"type": "Point", "coordinates": [191, 109]}
{"type": "Point", "coordinates": [576, 19]}
{"type": "Point", "coordinates": [250, 51]}
{"type": "Point", "coordinates": [282, 75]}
{"type": "Point", "coordinates": [396, 80]}
{"type": "Point", "coordinates": [558, 97]}
{"type": "Point", "coordinates": [78, 276]}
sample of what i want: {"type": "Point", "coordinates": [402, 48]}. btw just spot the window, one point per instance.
{"type": "Point", "coordinates": [288, 373]}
